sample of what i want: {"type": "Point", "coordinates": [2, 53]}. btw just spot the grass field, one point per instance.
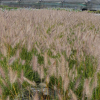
{"type": "Point", "coordinates": [55, 47]}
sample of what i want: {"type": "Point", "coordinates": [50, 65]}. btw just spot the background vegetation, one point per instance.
{"type": "Point", "coordinates": [5, 7]}
{"type": "Point", "coordinates": [97, 12]}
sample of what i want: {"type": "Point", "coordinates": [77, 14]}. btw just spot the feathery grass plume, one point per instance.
{"type": "Point", "coordinates": [17, 54]}
{"type": "Point", "coordinates": [87, 89]}
{"type": "Point", "coordinates": [63, 69]}
{"type": "Point", "coordinates": [0, 91]}
{"type": "Point", "coordinates": [54, 52]}
{"type": "Point", "coordinates": [47, 79]}
{"type": "Point", "coordinates": [74, 97]}
{"type": "Point", "coordinates": [19, 83]}
{"type": "Point", "coordinates": [34, 63]}
{"type": "Point", "coordinates": [4, 51]}
{"type": "Point", "coordinates": [8, 98]}
{"type": "Point", "coordinates": [77, 82]}
{"type": "Point", "coordinates": [52, 61]}
{"type": "Point", "coordinates": [52, 69]}
{"type": "Point", "coordinates": [4, 83]}
{"type": "Point", "coordinates": [29, 45]}
{"type": "Point", "coordinates": [37, 49]}
{"type": "Point", "coordinates": [23, 42]}
{"type": "Point", "coordinates": [36, 97]}
{"type": "Point", "coordinates": [41, 73]}
{"type": "Point", "coordinates": [70, 74]}
{"type": "Point", "coordinates": [11, 60]}
{"type": "Point", "coordinates": [45, 59]}
{"type": "Point", "coordinates": [66, 82]}
{"type": "Point", "coordinates": [2, 73]}
{"type": "Point", "coordinates": [60, 96]}
{"type": "Point", "coordinates": [67, 67]}
{"type": "Point", "coordinates": [23, 62]}
{"type": "Point", "coordinates": [42, 85]}
{"type": "Point", "coordinates": [22, 77]}
{"type": "Point", "coordinates": [12, 75]}
{"type": "Point", "coordinates": [58, 70]}
{"type": "Point", "coordinates": [28, 27]}
{"type": "Point", "coordinates": [15, 42]}
{"type": "Point", "coordinates": [30, 82]}
{"type": "Point", "coordinates": [58, 45]}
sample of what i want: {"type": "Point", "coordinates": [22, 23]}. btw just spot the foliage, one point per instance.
{"type": "Point", "coordinates": [5, 7]}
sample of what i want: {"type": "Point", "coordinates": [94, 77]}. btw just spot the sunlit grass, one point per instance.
{"type": "Point", "coordinates": [58, 50]}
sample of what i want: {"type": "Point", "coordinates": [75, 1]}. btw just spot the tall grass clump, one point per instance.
{"type": "Point", "coordinates": [51, 49]}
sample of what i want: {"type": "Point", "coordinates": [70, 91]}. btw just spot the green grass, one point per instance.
{"type": "Point", "coordinates": [87, 67]}
{"type": "Point", "coordinates": [5, 7]}
{"type": "Point", "coordinates": [97, 12]}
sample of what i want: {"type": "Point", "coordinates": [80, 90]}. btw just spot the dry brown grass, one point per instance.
{"type": "Point", "coordinates": [29, 27]}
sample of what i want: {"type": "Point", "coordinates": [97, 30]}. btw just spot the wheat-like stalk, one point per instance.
{"type": "Point", "coordinates": [22, 77]}
{"type": "Point", "coordinates": [36, 97]}
{"type": "Point", "coordinates": [1, 91]}
{"type": "Point", "coordinates": [12, 75]}
{"type": "Point", "coordinates": [22, 61]}
{"type": "Point", "coordinates": [34, 63]}
{"type": "Point", "coordinates": [2, 73]}
{"type": "Point", "coordinates": [60, 96]}
{"type": "Point", "coordinates": [87, 89]}
{"type": "Point", "coordinates": [74, 97]}
{"type": "Point", "coordinates": [8, 98]}
{"type": "Point", "coordinates": [63, 69]}
{"type": "Point", "coordinates": [66, 82]}
{"type": "Point", "coordinates": [41, 72]}
{"type": "Point", "coordinates": [30, 82]}
{"type": "Point", "coordinates": [52, 68]}
{"type": "Point", "coordinates": [17, 54]}
{"type": "Point", "coordinates": [77, 82]}
{"type": "Point", "coordinates": [4, 82]}
{"type": "Point", "coordinates": [11, 60]}
{"type": "Point", "coordinates": [45, 59]}
{"type": "Point", "coordinates": [4, 51]}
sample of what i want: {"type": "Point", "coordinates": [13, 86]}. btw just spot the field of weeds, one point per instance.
{"type": "Point", "coordinates": [58, 50]}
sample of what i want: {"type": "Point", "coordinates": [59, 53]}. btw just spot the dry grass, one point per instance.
{"type": "Point", "coordinates": [57, 31]}
{"type": "Point", "coordinates": [28, 27]}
